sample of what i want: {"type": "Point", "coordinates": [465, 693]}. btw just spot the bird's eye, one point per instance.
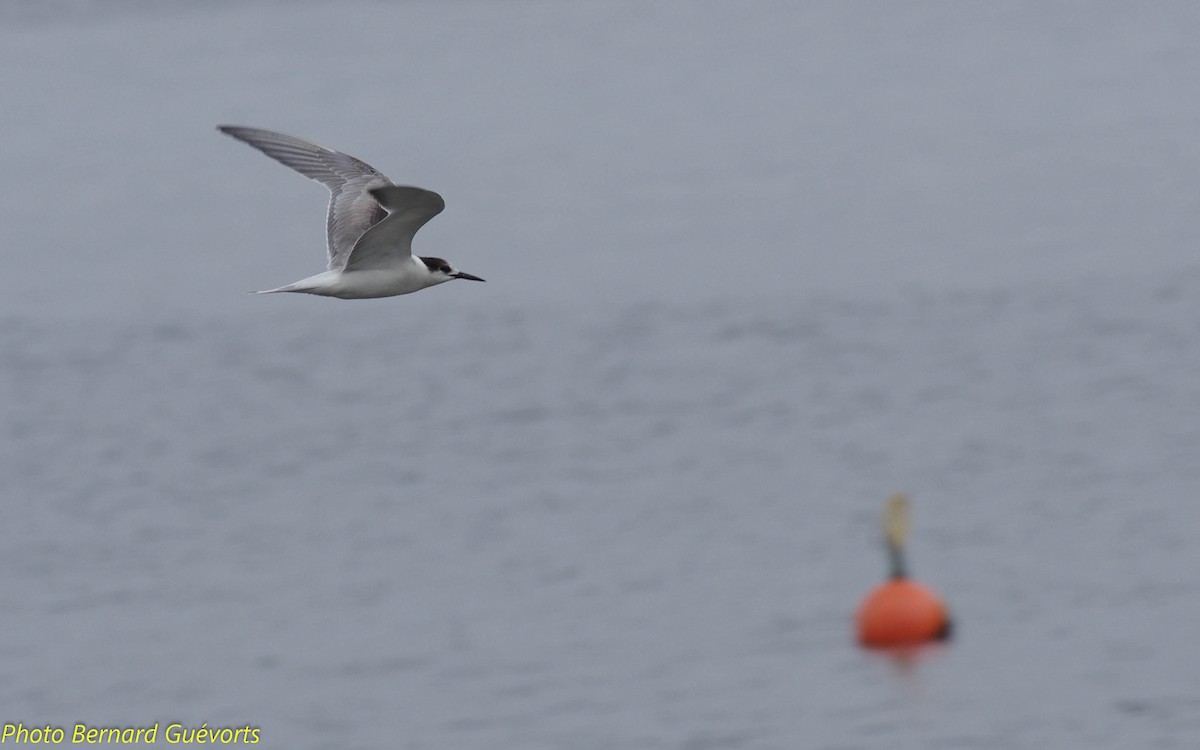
{"type": "Point", "coordinates": [444, 268]}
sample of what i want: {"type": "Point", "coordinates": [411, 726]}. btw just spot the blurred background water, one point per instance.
{"type": "Point", "coordinates": [751, 268]}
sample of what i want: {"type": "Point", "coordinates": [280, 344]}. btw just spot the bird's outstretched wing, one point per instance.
{"type": "Point", "coordinates": [390, 241]}
{"type": "Point", "coordinates": [352, 208]}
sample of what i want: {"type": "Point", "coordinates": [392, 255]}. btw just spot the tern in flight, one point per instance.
{"type": "Point", "coordinates": [370, 226]}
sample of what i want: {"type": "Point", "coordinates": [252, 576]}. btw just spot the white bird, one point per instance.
{"type": "Point", "coordinates": [370, 226]}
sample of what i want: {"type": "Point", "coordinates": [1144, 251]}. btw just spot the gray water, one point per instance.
{"type": "Point", "coordinates": [751, 268]}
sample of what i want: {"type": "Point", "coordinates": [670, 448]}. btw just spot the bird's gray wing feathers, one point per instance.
{"type": "Point", "coordinates": [390, 240]}
{"type": "Point", "coordinates": [352, 209]}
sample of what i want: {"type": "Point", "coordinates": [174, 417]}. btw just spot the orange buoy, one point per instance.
{"type": "Point", "coordinates": [900, 612]}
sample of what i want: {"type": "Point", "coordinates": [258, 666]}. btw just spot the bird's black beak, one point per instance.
{"type": "Point", "coordinates": [467, 276]}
